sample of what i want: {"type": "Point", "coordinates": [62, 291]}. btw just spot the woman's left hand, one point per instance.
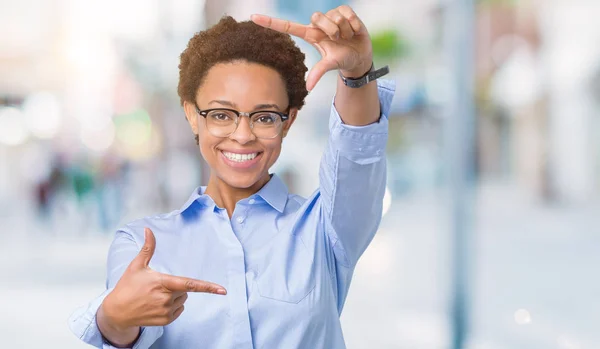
{"type": "Point", "coordinates": [339, 35]}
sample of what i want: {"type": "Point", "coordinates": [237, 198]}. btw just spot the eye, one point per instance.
{"type": "Point", "coordinates": [220, 115]}
{"type": "Point", "coordinates": [265, 118]}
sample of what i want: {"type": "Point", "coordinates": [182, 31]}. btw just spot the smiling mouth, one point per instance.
{"type": "Point", "coordinates": [240, 157]}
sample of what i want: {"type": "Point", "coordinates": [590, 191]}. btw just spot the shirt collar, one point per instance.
{"type": "Point", "coordinates": [275, 193]}
{"type": "Point", "coordinates": [199, 197]}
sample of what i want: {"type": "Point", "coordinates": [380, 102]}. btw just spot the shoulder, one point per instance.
{"type": "Point", "coordinates": [163, 223]}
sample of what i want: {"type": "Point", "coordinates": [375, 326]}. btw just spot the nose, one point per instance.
{"type": "Point", "coordinates": [243, 133]}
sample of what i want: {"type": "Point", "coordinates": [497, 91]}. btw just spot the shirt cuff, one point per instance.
{"type": "Point", "coordinates": [83, 324]}
{"type": "Point", "coordinates": [363, 144]}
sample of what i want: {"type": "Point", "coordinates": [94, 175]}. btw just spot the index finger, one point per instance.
{"type": "Point", "coordinates": [183, 284]}
{"type": "Point", "coordinates": [302, 31]}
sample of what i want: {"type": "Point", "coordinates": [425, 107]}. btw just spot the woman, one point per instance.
{"type": "Point", "coordinates": [252, 265]}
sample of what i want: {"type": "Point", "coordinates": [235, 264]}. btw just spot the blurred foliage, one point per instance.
{"type": "Point", "coordinates": [389, 45]}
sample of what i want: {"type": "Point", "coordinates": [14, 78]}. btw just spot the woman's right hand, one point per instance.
{"type": "Point", "coordinates": [144, 297]}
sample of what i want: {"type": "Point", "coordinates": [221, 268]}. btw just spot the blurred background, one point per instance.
{"type": "Point", "coordinates": [92, 136]}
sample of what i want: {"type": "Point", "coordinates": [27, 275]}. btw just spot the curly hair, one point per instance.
{"type": "Point", "coordinates": [230, 40]}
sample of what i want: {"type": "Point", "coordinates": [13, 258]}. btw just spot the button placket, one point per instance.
{"type": "Point", "coordinates": [238, 298]}
{"type": "Point", "coordinates": [240, 214]}
{"type": "Point", "coordinates": [236, 286]}
{"type": "Point", "coordinates": [237, 292]}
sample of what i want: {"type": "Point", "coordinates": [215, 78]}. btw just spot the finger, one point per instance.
{"type": "Point", "coordinates": [305, 32]}
{"type": "Point", "coordinates": [178, 283]}
{"type": "Point", "coordinates": [280, 25]}
{"type": "Point", "coordinates": [177, 294]}
{"type": "Point", "coordinates": [178, 312]}
{"type": "Point", "coordinates": [145, 255]}
{"type": "Point", "coordinates": [322, 22]}
{"type": "Point", "coordinates": [357, 25]}
{"type": "Point", "coordinates": [346, 31]}
{"type": "Point", "coordinates": [317, 72]}
{"type": "Point", "coordinates": [179, 301]}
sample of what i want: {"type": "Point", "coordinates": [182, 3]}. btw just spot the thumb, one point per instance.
{"type": "Point", "coordinates": [317, 72]}
{"type": "Point", "coordinates": [143, 258]}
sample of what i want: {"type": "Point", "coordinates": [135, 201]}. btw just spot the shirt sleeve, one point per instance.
{"type": "Point", "coordinates": [83, 321]}
{"type": "Point", "coordinates": [352, 180]}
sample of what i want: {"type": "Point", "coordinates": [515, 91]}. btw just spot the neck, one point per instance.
{"type": "Point", "coordinates": [227, 196]}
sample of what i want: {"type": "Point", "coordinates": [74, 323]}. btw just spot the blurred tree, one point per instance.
{"type": "Point", "coordinates": [389, 45]}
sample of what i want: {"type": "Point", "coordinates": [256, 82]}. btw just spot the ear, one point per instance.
{"type": "Point", "coordinates": [286, 126]}
{"type": "Point", "coordinates": [191, 115]}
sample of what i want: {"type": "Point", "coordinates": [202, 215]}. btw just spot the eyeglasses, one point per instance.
{"type": "Point", "coordinates": [223, 122]}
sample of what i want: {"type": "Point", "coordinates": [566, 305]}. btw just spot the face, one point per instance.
{"type": "Point", "coordinates": [240, 160]}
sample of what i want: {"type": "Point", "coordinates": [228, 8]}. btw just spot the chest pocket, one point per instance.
{"type": "Point", "coordinates": [287, 272]}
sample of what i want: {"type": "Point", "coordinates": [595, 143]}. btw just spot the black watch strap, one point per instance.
{"type": "Point", "coordinates": [371, 75]}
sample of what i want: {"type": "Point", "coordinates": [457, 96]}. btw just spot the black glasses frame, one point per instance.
{"type": "Point", "coordinates": [283, 116]}
{"type": "Point", "coordinates": [204, 113]}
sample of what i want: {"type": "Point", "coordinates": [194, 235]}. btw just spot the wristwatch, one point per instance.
{"type": "Point", "coordinates": [371, 75]}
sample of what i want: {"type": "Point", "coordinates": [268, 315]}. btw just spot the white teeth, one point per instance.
{"type": "Point", "coordinates": [239, 157]}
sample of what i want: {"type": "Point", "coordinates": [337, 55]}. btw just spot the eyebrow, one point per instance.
{"type": "Point", "coordinates": [233, 105]}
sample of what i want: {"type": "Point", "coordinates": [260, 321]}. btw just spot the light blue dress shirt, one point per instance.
{"type": "Point", "coordinates": [286, 261]}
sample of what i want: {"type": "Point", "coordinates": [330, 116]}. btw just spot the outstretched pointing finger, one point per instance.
{"type": "Point", "coordinates": [183, 284]}
{"type": "Point", "coordinates": [308, 33]}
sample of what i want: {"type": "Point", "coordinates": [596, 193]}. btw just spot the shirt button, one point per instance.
{"type": "Point", "coordinates": [251, 201]}
{"type": "Point", "coordinates": [240, 220]}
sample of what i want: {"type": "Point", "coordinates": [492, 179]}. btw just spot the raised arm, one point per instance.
{"type": "Point", "coordinates": [352, 176]}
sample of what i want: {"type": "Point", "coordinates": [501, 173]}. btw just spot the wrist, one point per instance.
{"type": "Point", "coordinates": [110, 319]}
{"type": "Point", "coordinates": [117, 335]}
{"type": "Point", "coordinates": [357, 72]}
